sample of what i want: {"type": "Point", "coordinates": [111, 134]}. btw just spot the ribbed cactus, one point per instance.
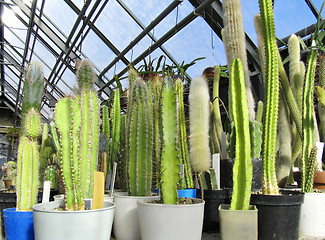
{"type": "Point", "coordinates": [200, 155]}
{"type": "Point", "coordinates": [33, 123]}
{"type": "Point", "coordinates": [106, 126]}
{"type": "Point", "coordinates": [243, 168]}
{"type": "Point", "coordinates": [114, 148]}
{"type": "Point", "coordinates": [269, 185]}
{"type": "Point", "coordinates": [170, 162]}
{"type": "Point", "coordinates": [55, 138]}
{"type": "Point", "coordinates": [133, 74]}
{"type": "Point", "coordinates": [32, 92]}
{"type": "Point", "coordinates": [235, 44]}
{"type": "Point", "coordinates": [89, 134]}
{"type": "Point", "coordinates": [27, 177]}
{"type": "Point", "coordinates": [187, 181]}
{"type": "Point", "coordinates": [68, 121]}
{"type": "Point", "coordinates": [308, 119]}
{"type": "Point", "coordinates": [139, 142]}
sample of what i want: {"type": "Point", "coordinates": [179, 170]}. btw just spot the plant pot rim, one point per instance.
{"type": "Point", "coordinates": [135, 197]}
{"type": "Point", "coordinates": [59, 203]}
{"type": "Point", "coordinates": [149, 203]}
{"type": "Point", "coordinates": [226, 207]}
{"type": "Point", "coordinates": [287, 198]}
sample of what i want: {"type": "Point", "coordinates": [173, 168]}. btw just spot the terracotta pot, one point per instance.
{"type": "Point", "coordinates": [8, 183]}
{"type": "Point", "coordinates": [319, 179]}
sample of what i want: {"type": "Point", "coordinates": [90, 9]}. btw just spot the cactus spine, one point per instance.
{"type": "Point", "coordinates": [200, 155]}
{"type": "Point", "coordinates": [182, 136]}
{"type": "Point", "coordinates": [269, 185]}
{"type": "Point", "coordinates": [51, 173]}
{"type": "Point", "coordinates": [243, 169]}
{"type": "Point", "coordinates": [170, 162]}
{"type": "Point", "coordinates": [89, 135]}
{"type": "Point", "coordinates": [139, 141]}
{"type": "Point", "coordinates": [116, 127]}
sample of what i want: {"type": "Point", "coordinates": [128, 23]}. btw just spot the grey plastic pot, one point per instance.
{"type": "Point", "coordinates": [312, 216]}
{"type": "Point", "coordinates": [126, 225]}
{"type": "Point", "coordinates": [238, 224]}
{"type": "Point", "coordinates": [163, 221]}
{"type": "Point", "coordinates": [51, 224]}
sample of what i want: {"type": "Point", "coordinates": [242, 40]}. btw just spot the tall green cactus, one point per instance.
{"type": "Point", "coordinates": [139, 142]}
{"type": "Point", "coordinates": [170, 162]}
{"type": "Point", "coordinates": [89, 134]}
{"type": "Point", "coordinates": [106, 128]}
{"type": "Point", "coordinates": [32, 92]}
{"type": "Point", "coordinates": [182, 136]}
{"type": "Point", "coordinates": [269, 185]}
{"type": "Point", "coordinates": [308, 120]}
{"type": "Point", "coordinates": [51, 173]}
{"type": "Point", "coordinates": [27, 177]}
{"type": "Point", "coordinates": [243, 168]}
{"type": "Point", "coordinates": [200, 155]}
{"type": "Point", "coordinates": [28, 163]}
{"type": "Point", "coordinates": [68, 120]}
{"type": "Point", "coordinates": [114, 148]}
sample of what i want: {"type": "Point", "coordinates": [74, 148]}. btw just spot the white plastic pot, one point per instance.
{"type": "Point", "coordinates": [163, 221]}
{"type": "Point", "coordinates": [312, 216]}
{"type": "Point", "coordinates": [51, 224]}
{"type": "Point", "coordinates": [126, 225]}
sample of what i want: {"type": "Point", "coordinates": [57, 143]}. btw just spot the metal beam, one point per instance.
{"type": "Point", "coordinates": [184, 22]}
{"type": "Point", "coordinates": [313, 8]}
{"type": "Point", "coordinates": [137, 39]}
{"type": "Point", "coordinates": [2, 68]}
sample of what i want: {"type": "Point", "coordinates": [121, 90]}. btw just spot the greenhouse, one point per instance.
{"type": "Point", "coordinates": [173, 119]}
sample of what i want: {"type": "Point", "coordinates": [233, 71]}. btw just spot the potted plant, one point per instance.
{"type": "Point", "coordinates": [284, 207]}
{"type": "Point", "coordinates": [27, 160]}
{"type": "Point", "coordinates": [77, 121]}
{"type": "Point", "coordinates": [173, 217]}
{"type": "Point", "coordinates": [139, 153]}
{"type": "Point", "coordinates": [9, 170]}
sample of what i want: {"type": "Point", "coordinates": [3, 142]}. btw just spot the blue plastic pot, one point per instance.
{"type": "Point", "coordinates": [187, 193]}
{"type": "Point", "coordinates": [18, 224]}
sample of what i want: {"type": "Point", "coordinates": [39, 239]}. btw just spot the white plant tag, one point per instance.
{"type": "Point", "coordinates": [46, 191]}
{"type": "Point", "coordinates": [216, 167]}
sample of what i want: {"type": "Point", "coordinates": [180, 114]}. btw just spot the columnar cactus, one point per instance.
{"type": "Point", "coordinates": [51, 173]}
{"type": "Point", "coordinates": [269, 185]}
{"type": "Point", "coordinates": [170, 162]}
{"type": "Point", "coordinates": [308, 121]}
{"type": "Point", "coordinates": [106, 128]}
{"type": "Point", "coordinates": [114, 148]}
{"type": "Point", "coordinates": [27, 177]}
{"type": "Point", "coordinates": [235, 45]}
{"type": "Point", "coordinates": [89, 134]}
{"type": "Point", "coordinates": [139, 142]}
{"type": "Point", "coordinates": [243, 168]}
{"type": "Point", "coordinates": [200, 155]}
{"type": "Point", "coordinates": [33, 91]}
{"type": "Point", "coordinates": [28, 163]}
{"type": "Point", "coordinates": [68, 121]}
{"type": "Point", "coordinates": [182, 136]}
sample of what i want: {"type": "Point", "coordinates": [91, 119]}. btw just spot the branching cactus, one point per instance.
{"type": "Point", "coordinates": [139, 142]}
{"type": "Point", "coordinates": [200, 155]}
{"type": "Point", "coordinates": [68, 121]}
{"type": "Point", "coordinates": [170, 162]}
{"type": "Point", "coordinates": [89, 134]}
{"type": "Point", "coordinates": [33, 91]}
{"type": "Point", "coordinates": [28, 163]}
{"type": "Point", "coordinates": [187, 181]}
{"type": "Point", "coordinates": [243, 168]}
{"type": "Point", "coordinates": [269, 185]}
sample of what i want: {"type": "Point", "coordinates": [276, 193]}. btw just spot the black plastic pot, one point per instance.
{"type": "Point", "coordinates": [213, 198]}
{"type": "Point", "coordinates": [226, 166]}
{"type": "Point", "coordinates": [278, 215]}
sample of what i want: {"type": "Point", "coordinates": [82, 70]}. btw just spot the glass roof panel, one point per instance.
{"type": "Point", "coordinates": [291, 16]}
{"type": "Point", "coordinates": [96, 50]}
{"type": "Point", "coordinates": [117, 25]}
{"type": "Point", "coordinates": [61, 15]}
